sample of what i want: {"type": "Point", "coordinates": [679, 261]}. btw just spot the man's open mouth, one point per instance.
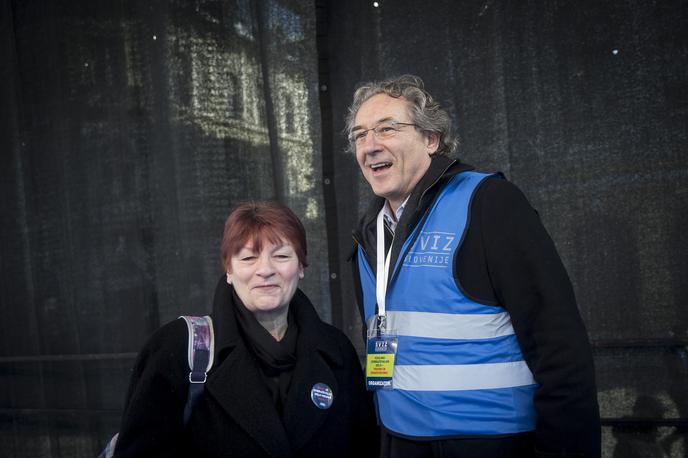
{"type": "Point", "coordinates": [380, 166]}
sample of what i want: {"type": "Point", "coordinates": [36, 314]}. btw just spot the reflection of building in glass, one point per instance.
{"type": "Point", "coordinates": [235, 105]}
{"type": "Point", "coordinates": [218, 87]}
{"type": "Point", "coordinates": [243, 23]}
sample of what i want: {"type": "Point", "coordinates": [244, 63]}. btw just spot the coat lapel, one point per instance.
{"type": "Point", "coordinates": [237, 386]}
{"type": "Point", "coordinates": [302, 418]}
{"type": "Point", "coordinates": [316, 355]}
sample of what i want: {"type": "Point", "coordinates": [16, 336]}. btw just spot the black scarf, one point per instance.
{"type": "Point", "coordinates": [276, 359]}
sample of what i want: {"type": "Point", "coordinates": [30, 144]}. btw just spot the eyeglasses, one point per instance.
{"type": "Point", "coordinates": [385, 129]}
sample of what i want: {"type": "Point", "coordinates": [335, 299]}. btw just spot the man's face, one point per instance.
{"type": "Point", "coordinates": [395, 164]}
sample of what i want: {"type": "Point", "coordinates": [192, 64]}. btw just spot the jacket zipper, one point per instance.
{"type": "Point", "coordinates": [439, 177]}
{"type": "Point", "coordinates": [359, 243]}
{"type": "Point", "coordinates": [435, 182]}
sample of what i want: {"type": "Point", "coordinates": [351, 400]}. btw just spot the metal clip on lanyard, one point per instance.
{"type": "Point", "coordinates": [382, 272]}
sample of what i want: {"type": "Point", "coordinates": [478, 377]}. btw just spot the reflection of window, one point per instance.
{"type": "Point", "coordinates": [288, 114]}
{"type": "Point", "coordinates": [235, 106]}
{"type": "Point", "coordinates": [243, 25]}
{"type": "Point", "coordinates": [289, 23]}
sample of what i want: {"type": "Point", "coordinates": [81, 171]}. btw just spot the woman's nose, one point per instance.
{"type": "Point", "coordinates": [265, 267]}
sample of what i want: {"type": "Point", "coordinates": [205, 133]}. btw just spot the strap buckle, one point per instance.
{"type": "Point", "coordinates": [193, 379]}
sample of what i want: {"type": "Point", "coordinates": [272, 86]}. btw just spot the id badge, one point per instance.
{"type": "Point", "coordinates": [380, 359]}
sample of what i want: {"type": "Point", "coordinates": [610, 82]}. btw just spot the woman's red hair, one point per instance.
{"type": "Point", "coordinates": [255, 223]}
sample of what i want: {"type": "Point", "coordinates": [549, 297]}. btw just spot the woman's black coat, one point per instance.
{"type": "Point", "coordinates": [236, 416]}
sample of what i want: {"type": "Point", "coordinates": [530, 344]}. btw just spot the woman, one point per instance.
{"type": "Point", "coordinates": [283, 383]}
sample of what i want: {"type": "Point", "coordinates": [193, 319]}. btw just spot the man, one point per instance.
{"type": "Point", "coordinates": [492, 358]}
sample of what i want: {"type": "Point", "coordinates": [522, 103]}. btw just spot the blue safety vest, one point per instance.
{"type": "Point", "coordinates": [459, 369]}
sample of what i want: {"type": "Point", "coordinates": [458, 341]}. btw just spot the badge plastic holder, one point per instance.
{"type": "Point", "coordinates": [380, 358]}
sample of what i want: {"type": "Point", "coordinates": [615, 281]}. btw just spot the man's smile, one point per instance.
{"type": "Point", "coordinates": [380, 165]}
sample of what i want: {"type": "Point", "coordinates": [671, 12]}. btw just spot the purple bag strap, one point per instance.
{"type": "Point", "coordinates": [201, 349]}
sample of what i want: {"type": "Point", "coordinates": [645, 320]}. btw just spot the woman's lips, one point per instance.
{"type": "Point", "coordinates": [265, 287]}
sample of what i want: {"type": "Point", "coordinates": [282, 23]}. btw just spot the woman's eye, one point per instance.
{"type": "Point", "coordinates": [248, 258]}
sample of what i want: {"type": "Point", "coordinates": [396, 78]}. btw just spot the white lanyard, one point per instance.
{"type": "Point", "coordinates": [382, 265]}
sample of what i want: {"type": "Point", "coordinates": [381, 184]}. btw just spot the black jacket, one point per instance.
{"type": "Point", "coordinates": [508, 259]}
{"type": "Point", "coordinates": [235, 416]}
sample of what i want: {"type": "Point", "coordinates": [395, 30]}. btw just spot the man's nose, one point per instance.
{"type": "Point", "coordinates": [369, 143]}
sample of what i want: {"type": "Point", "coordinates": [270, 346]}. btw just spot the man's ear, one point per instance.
{"type": "Point", "coordinates": [432, 142]}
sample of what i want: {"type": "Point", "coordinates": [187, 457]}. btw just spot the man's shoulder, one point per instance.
{"type": "Point", "coordinates": [497, 200]}
{"type": "Point", "coordinates": [493, 183]}
{"type": "Point", "coordinates": [494, 193]}
{"type": "Point", "coordinates": [497, 187]}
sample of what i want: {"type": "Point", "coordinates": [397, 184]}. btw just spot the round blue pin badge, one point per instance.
{"type": "Point", "coordinates": [322, 396]}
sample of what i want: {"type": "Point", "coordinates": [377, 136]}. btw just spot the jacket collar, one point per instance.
{"type": "Point", "coordinates": [312, 331]}
{"type": "Point", "coordinates": [442, 168]}
{"type": "Point", "coordinates": [234, 381]}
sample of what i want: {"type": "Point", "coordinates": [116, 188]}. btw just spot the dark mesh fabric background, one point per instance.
{"type": "Point", "coordinates": [130, 129]}
{"type": "Point", "coordinates": [584, 106]}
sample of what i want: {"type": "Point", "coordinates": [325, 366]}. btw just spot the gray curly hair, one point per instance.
{"type": "Point", "coordinates": [426, 113]}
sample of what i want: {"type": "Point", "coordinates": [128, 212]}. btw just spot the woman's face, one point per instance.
{"type": "Point", "coordinates": [267, 280]}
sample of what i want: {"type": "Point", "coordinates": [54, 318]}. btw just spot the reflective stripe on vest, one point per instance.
{"type": "Point", "coordinates": [459, 368]}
